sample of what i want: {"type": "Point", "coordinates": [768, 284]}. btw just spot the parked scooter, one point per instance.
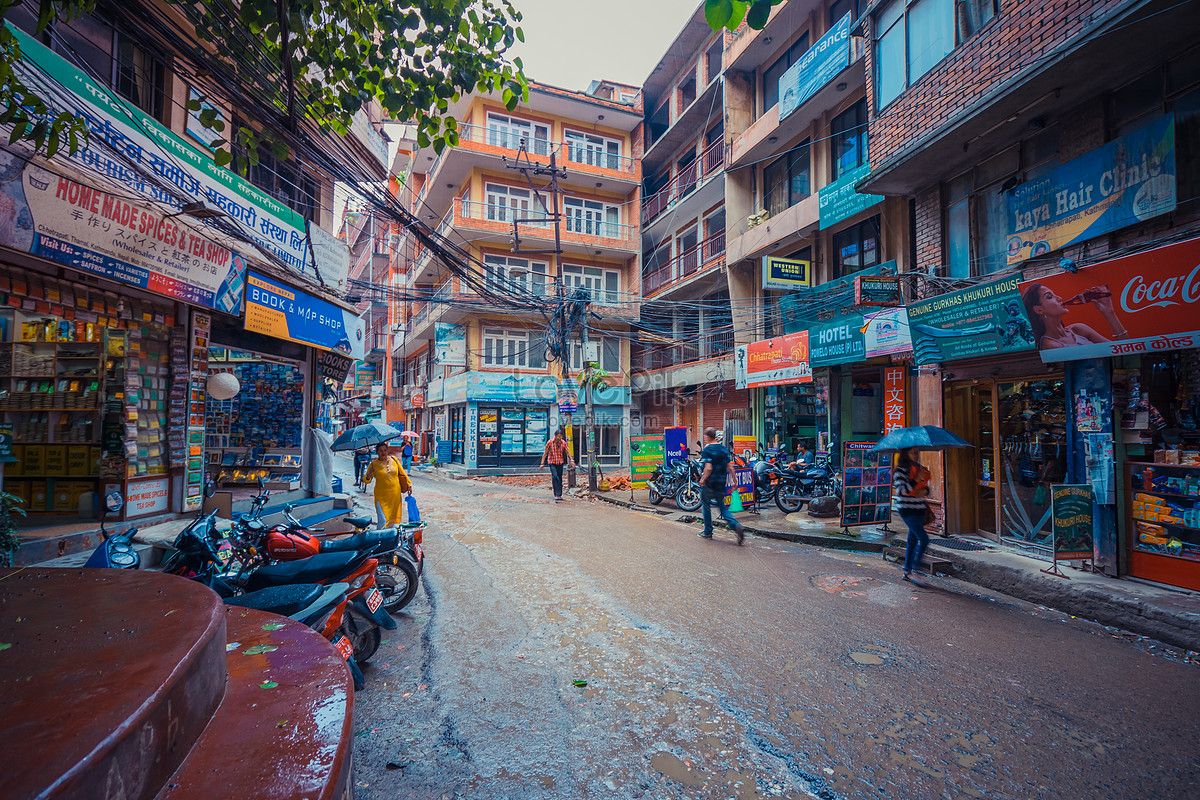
{"type": "Point", "coordinates": [401, 557]}
{"type": "Point", "coordinates": [116, 551]}
{"type": "Point", "coordinates": [799, 486]}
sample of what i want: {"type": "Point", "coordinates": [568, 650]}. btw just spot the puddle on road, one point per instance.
{"type": "Point", "coordinates": [867, 658]}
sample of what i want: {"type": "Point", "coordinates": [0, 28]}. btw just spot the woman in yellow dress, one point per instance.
{"type": "Point", "coordinates": [391, 482]}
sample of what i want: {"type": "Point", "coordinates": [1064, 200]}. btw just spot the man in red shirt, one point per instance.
{"type": "Point", "coordinates": [556, 455]}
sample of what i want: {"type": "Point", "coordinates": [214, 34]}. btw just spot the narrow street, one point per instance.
{"type": "Point", "coordinates": [770, 670]}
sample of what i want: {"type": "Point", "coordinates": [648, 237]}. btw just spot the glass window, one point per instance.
{"type": "Point", "coordinates": [912, 41]}
{"type": "Point", "coordinates": [786, 180]}
{"type": "Point", "coordinates": [856, 248]}
{"type": "Point", "coordinates": [849, 135]}
{"type": "Point", "coordinates": [505, 273]}
{"type": "Point", "coordinates": [773, 73]}
{"type": "Point", "coordinates": [973, 15]}
{"type": "Point", "coordinates": [593, 217]}
{"type": "Point", "coordinates": [603, 285]}
{"type": "Point", "coordinates": [610, 354]}
{"type": "Point", "coordinates": [506, 348]}
{"type": "Point", "coordinates": [586, 148]}
{"type": "Point", "coordinates": [841, 8]}
{"type": "Point", "coordinates": [930, 35]}
{"type": "Point", "coordinates": [510, 132]}
{"type": "Point", "coordinates": [889, 54]}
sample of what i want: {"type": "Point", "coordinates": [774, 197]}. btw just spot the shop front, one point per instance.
{"type": "Point", "coordinates": [498, 420]}
{"type": "Point", "coordinates": [610, 405]}
{"type": "Point", "coordinates": [1127, 332]}
{"type": "Point", "coordinates": [778, 371]}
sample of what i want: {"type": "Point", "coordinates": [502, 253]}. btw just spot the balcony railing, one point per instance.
{"type": "Point", "coordinates": [509, 139]}
{"type": "Point", "coordinates": [592, 157]}
{"type": "Point", "coordinates": [686, 263]}
{"type": "Point", "coordinates": [536, 218]}
{"type": "Point", "coordinates": [711, 344]}
{"type": "Point", "coordinates": [379, 342]}
{"type": "Point", "coordinates": [710, 162]}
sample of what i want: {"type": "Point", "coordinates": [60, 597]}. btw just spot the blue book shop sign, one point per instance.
{"type": "Point", "coordinates": [1126, 181]}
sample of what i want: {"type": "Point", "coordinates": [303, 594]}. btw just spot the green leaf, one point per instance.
{"type": "Point", "coordinates": [717, 13]}
{"type": "Point", "coordinates": [222, 158]}
{"type": "Point", "coordinates": [739, 12]}
{"type": "Point", "coordinates": [760, 11]}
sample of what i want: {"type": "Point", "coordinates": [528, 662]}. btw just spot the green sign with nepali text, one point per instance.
{"type": "Point", "coordinates": [982, 320]}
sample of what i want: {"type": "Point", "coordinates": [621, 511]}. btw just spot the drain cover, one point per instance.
{"type": "Point", "coordinates": [957, 544]}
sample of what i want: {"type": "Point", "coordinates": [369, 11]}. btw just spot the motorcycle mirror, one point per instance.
{"type": "Point", "coordinates": [210, 487]}
{"type": "Point", "coordinates": [114, 500]}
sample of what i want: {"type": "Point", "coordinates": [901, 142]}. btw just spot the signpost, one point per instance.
{"type": "Point", "coordinates": [866, 485]}
{"type": "Point", "coordinates": [675, 444]}
{"type": "Point", "coordinates": [645, 453]}
{"type": "Point", "coordinates": [1071, 513]}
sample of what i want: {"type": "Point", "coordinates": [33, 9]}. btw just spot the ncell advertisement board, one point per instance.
{"type": "Point", "coordinates": [1144, 303]}
{"type": "Point", "coordinates": [287, 313]}
{"type": "Point", "coordinates": [1126, 181]}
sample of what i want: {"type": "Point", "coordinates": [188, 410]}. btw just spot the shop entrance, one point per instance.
{"type": "Point", "coordinates": [999, 488]}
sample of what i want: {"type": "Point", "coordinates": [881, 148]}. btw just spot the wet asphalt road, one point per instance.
{"type": "Point", "coordinates": [770, 670]}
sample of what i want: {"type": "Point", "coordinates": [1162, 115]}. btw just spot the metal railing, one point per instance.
{"type": "Point", "coordinates": [512, 139]}
{"type": "Point", "coordinates": [590, 156]}
{"type": "Point", "coordinates": [685, 264]}
{"type": "Point", "coordinates": [689, 178]}
{"type": "Point", "coordinates": [494, 212]}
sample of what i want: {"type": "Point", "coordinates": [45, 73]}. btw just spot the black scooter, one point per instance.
{"type": "Point", "coordinates": [116, 551]}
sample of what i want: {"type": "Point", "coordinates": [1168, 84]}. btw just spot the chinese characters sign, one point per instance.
{"type": "Point", "coordinates": [894, 411]}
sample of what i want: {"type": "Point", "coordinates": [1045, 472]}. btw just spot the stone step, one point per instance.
{"type": "Point", "coordinates": [107, 679]}
{"type": "Point", "coordinates": [283, 729]}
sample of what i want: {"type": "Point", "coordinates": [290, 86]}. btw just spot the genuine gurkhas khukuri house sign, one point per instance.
{"type": "Point", "coordinates": [978, 321]}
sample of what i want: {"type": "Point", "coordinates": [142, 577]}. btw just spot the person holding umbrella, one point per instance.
{"type": "Point", "coordinates": [391, 483]}
{"type": "Point", "coordinates": [910, 485]}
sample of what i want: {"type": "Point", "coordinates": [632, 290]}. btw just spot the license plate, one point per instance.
{"type": "Point", "coordinates": [344, 647]}
{"type": "Point", "coordinates": [374, 600]}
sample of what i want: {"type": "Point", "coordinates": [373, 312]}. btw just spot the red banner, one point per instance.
{"type": "Point", "coordinates": [1143, 303]}
{"type": "Point", "coordinates": [895, 413]}
{"type": "Point", "coordinates": [776, 362]}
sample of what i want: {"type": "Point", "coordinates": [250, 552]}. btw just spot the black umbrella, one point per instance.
{"type": "Point", "coordinates": [368, 435]}
{"type": "Point", "coordinates": [922, 437]}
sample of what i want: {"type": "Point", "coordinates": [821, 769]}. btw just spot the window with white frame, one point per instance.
{"type": "Point", "coordinates": [603, 285]}
{"type": "Point", "coordinates": [610, 354]}
{"type": "Point", "coordinates": [509, 132]}
{"type": "Point", "coordinates": [506, 273]}
{"type": "Point", "coordinates": [513, 348]}
{"type": "Point", "coordinates": [598, 151]}
{"type": "Point", "coordinates": [593, 217]}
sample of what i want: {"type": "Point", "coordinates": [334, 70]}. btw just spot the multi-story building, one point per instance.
{"type": "Point", "coordinates": [138, 268]}
{"type": "Point", "coordinates": [1052, 154]}
{"type": "Point", "coordinates": [479, 362]}
{"type": "Point", "coordinates": [684, 356]}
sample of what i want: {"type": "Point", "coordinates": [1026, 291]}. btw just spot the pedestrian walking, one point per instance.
{"type": "Point", "coordinates": [556, 455]}
{"type": "Point", "coordinates": [406, 454]}
{"type": "Point", "coordinates": [716, 459]}
{"type": "Point", "coordinates": [391, 483]}
{"type": "Point", "coordinates": [361, 459]}
{"type": "Point", "coordinates": [910, 485]}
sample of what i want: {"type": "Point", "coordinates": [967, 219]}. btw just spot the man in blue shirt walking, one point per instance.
{"type": "Point", "coordinates": [716, 459]}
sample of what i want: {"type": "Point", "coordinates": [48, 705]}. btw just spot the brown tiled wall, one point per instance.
{"type": "Point", "coordinates": [928, 225]}
{"type": "Point", "coordinates": [1024, 32]}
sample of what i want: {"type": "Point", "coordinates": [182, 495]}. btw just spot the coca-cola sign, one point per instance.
{"type": "Point", "coordinates": [1143, 303]}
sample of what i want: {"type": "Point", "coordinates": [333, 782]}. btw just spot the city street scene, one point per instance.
{"type": "Point", "coordinates": [473, 400]}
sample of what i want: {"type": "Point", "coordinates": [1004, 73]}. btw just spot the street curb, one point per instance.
{"type": "Point", "coordinates": [831, 542]}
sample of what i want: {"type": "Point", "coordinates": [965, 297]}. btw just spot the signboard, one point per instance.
{"type": "Point", "coordinates": [886, 332]}
{"type": "Point", "coordinates": [472, 442]}
{"type": "Point", "coordinates": [121, 133]}
{"type": "Point", "coordinates": [418, 399]}
{"type": "Point", "coordinates": [435, 391]}
{"type": "Point", "coordinates": [104, 234]}
{"type": "Point", "coordinates": [785, 273]}
{"type": "Point", "coordinates": [675, 444]}
{"type": "Point", "coordinates": [197, 354]}
{"type": "Point", "coordinates": [839, 342]}
{"type": "Point", "coordinates": [296, 316]}
{"type": "Point", "coordinates": [450, 345]}
{"type": "Point", "coordinates": [877, 290]}
{"type": "Point", "coordinates": [1151, 298]}
{"type": "Point", "coordinates": [6, 444]}
{"type": "Point", "coordinates": [568, 397]}
{"type": "Point", "coordinates": [839, 200]}
{"type": "Point", "coordinates": [1071, 511]}
{"type": "Point", "coordinates": [740, 479]}
{"type": "Point", "coordinates": [807, 308]}
{"type": "Point", "coordinates": [817, 67]}
{"type": "Point", "coordinates": [744, 447]}
{"type": "Point", "coordinates": [983, 320]}
{"type": "Point", "coordinates": [780, 361]}
{"type": "Point", "coordinates": [1128, 180]}
{"type": "Point", "coordinates": [645, 453]}
{"type": "Point", "coordinates": [335, 366]}
{"type": "Point", "coordinates": [364, 375]}
{"type": "Point", "coordinates": [147, 497]}
{"type": "Point", "coordinates": [895, 413]}
{"type": "Point", "coordinates": [867, 484]}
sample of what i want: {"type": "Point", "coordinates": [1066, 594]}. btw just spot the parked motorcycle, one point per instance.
{"type": "Point", "coordinates": [116, 551]}
{"type": "Point", "coordinates": [401, 559]}
{"type": "Point", "coordinates": [679, 480]}
{"type": "Point", "coordinates": [799, 486]}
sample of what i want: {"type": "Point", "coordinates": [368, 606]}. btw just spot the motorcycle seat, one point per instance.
{"type": "Point", "coordinates": [314, 569]}
{"type": "Point", "coordinates": [376, 541]}
{"type": "Point", "coordinates": [283, 600]}
{"type": "Point", "coordinates": [358, 522]}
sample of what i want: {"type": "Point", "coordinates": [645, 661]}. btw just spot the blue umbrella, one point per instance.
{"type": "Point", "coordinates": [922, 437]}
{"type": "Point", "coordinates": [368, 435]}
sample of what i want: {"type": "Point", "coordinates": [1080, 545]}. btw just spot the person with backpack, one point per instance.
{"type": "Point", "coordinates": [715, 459]}
{"type": "Point", "coordinates": [406, 454]}
{"type": "Point", "coordinates": [910, 486]}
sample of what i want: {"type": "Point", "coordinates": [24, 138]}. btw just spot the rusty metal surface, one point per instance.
{"type": "Point", "coordinates": [283, 731]}
{"type": "Point", "coordinates": [106, 679]}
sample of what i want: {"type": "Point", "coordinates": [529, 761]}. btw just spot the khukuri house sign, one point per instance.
{"type": "Point", "coordinates": [136, 137]}
{"type": "Point", "coordinates": [977, 321]}
{"type": "Point", "coordinates": [1128, 180]}
{"type": "Point", "coordinates": [817, 67]}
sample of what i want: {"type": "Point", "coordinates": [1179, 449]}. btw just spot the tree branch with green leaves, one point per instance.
{"type": "Point", "coordinates": [730, 13]}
